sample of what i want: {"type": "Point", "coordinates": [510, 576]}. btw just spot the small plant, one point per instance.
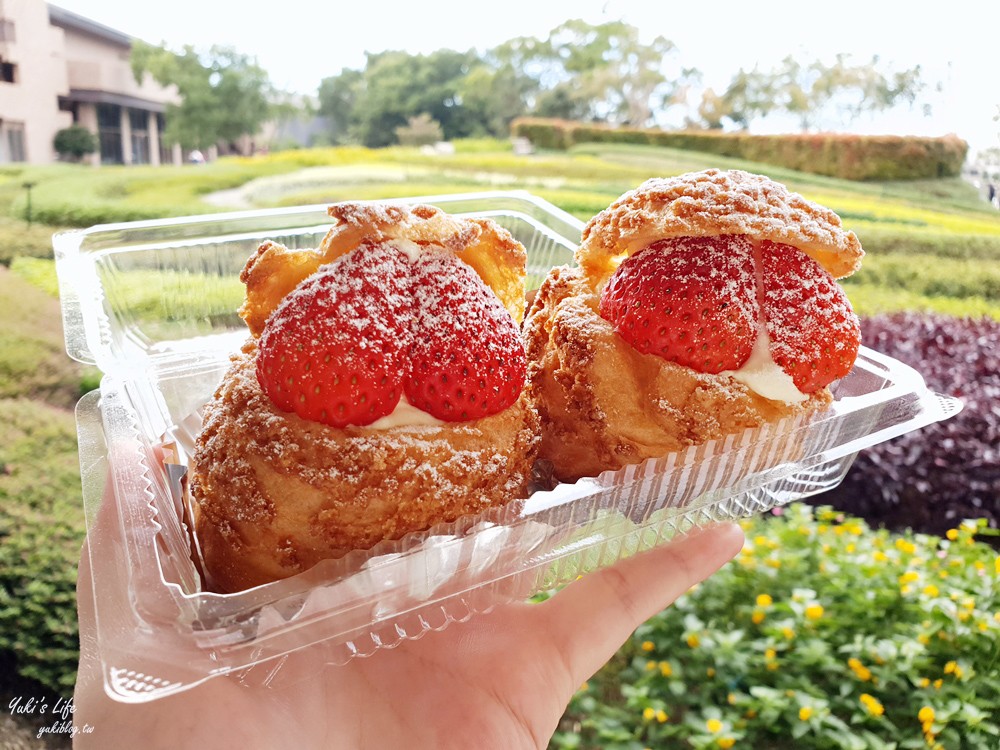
{"type": "Point", "coordinates": [822, 634]}
{"type": "Point", "coordinates": [74, 142]}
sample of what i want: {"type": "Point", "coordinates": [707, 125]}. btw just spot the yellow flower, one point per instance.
{"type": "Point", "coordinates": [923, 638]}
{"type": "Point", "coordinates": [726, 742]}
{"type": "Point", "coordinates": [958, 673]}
{"type": "Point", "coordinates": [650, 666]}
{"type": "Point", "coordinates": [814, 611]}
{"type": "Point", "coordinates": [925, 682]}
{"type": "Point", "coordinates": [714, 726]}
{"type": "Point", "coordinates": [731, 698]}
{"type": "Point", "coordinates": [872, 705]}
{"type": "Point", "coordinates": [805, 712]}
{"type": "Point", "coordinates": [764, 600]}
{"type": "Point", "coordinates": [649, 713]}
{"type": "Point", "coordinates": [772, 666]}
{"type": "Point", "coordinates": [770, 654]}
{"type": "Point", "coordinates": [909, 577]}
{"type": "Point", "coordinates": [772, 562]}
{"type": "Point", "coordinates": [926, 715]}
{"type": "Point", "coordinates": [906, 546]}
{"type": "Point", "coordinates": [710, 672]}
{"type": "Point", "coordinates": [952, 534]}
{"type": "Point", "coordinates": [950, 667]}
{"type": "Point", "coordinates": [693, 640]}
{"type": "Point", "coordinates": [931, 590]}
{"type": "Point", "coordinates": [661, 716]}
{"type": "Point", "coordinates": [879, 556]}
{"type": "Point", "coordinates": [850, 548]}
{"type": "Point", "coordinates": [937, 683]}
{"type": "Point", "coordinates": [969, 603]}
{"type": "Point", "coordinates": [788, 632]}
{"type": "Point", "coordinates": [906, 590]}
{"type": "Point", "coordinates": [648, 646]}
{"type": "Point", "coordinates": [758, 616]}
{"type": "Point", "coordinates": [665, 669]}
{"type": "Point", "coordinates": [853, 662]}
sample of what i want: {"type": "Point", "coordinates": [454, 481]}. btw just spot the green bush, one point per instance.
{"type": "Point", "coordinates": [74, 142]}
{"type": "Point", "coordinates": [823, 634]}
{"type": "Point", "coordinates": [18, 239]}
{"type": "Point", "coordinates": [41, 530]}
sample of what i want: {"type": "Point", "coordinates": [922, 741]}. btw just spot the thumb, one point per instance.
{"type": "Point", "coordinates": [590, 619]}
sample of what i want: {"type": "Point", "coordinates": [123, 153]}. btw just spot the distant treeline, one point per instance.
{"type": "Point", "coordinates": [592, 74]}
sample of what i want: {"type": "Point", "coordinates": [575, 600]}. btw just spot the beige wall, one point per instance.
{"type": "Point", "coordinates": [40, 79]}
{"type": "Point", "coordinates": [101, 66]}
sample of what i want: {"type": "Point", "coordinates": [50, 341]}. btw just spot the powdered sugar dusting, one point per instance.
{"type": "Point", "coordinates": [717, 202]}
{"type": "Point", "coordinates": [383, 314]}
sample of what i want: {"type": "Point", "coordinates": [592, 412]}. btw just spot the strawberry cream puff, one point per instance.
{"type": "Point", "coordinates": [702, 305]}
{"type": "Point", "coordinates": [381, 391]}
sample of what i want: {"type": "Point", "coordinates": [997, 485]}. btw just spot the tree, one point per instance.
{"type": "Point", "coordinates": [815, 93]}
{"type": "Point", "coordinates": [606, 73]}
{"type": "Point", "coordinates": [224, 94]}
{"type": "Point", "coordinates": [74, 142]}
{"type": "Point", "coordinates": [338, 96]}
{"type": "Point", "coordinates": [395, 86]}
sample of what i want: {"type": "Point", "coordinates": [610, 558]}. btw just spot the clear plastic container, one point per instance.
{"type": "Point", "coordinates": [153, 305]}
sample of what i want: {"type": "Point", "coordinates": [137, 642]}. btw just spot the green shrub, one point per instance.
{"type": "Point", "coordinates": [421, 130]}
{"type": "Point", "coordinates": [74, 142]}
{"type": "Point", "coordinates": [41, 530]}
{"type": "Point", "coordinates": [823, 634]}
{"type": "Point", "coordinates": [18, 239]}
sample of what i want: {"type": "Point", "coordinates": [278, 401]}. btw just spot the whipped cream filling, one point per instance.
{"type": "Point", "coordinates": [405, 415]}
{"type": "Point", "coordinates": [409, 248]}
{"type": "Point", "coordinates": [761, 374]}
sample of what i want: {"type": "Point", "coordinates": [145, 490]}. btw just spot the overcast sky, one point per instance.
{"type": "Point", "coordinates": [298, 42]}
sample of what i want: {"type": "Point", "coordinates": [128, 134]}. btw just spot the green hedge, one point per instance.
{"type": "Point", "coordinates": [851, 157]}
{"type": "Point", "coordinates": [41, 530]}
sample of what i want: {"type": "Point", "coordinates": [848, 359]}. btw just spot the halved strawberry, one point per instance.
{"type": "Point", "coordinates": [467, 355]}
{"type": "Point", "coordinates": [690, 300]}
{"type": "Point", "coordinates": [334, 349]}
{"type": "Point", "coordinates": [814, 332]}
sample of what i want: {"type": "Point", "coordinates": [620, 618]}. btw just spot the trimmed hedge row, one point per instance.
{"type": "Point", "coordinates": [850, 157]}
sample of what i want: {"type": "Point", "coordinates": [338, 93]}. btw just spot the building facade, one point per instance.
{"type": "Point", "coordinates": [58, 69]}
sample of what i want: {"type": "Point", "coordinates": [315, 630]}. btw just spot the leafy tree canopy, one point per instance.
{"type": "Point", "coordinates": [223, 94]}
{"type": "Point", "coordinates": [815, 93]}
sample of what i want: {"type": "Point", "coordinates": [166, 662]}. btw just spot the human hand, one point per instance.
{"type": "Point", "coordinates": [500, 680]}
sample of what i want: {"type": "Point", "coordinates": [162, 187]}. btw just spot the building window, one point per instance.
{"type": "Point", "coordinates": [12, 142]}
{"type": "Point", "coordinates": [139, 125]}
{"type": "Point", "coordinates": [109, 133]}
{"type": "Point", "coordinates": [166, 153]}
{"type": "Point", "coordinates": [7, 30]}
{"type": "Point", "coordinates": [8, 71]}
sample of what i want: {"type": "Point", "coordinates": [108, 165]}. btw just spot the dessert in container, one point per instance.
{"type": "Point", "coordinates": [153, 305]}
